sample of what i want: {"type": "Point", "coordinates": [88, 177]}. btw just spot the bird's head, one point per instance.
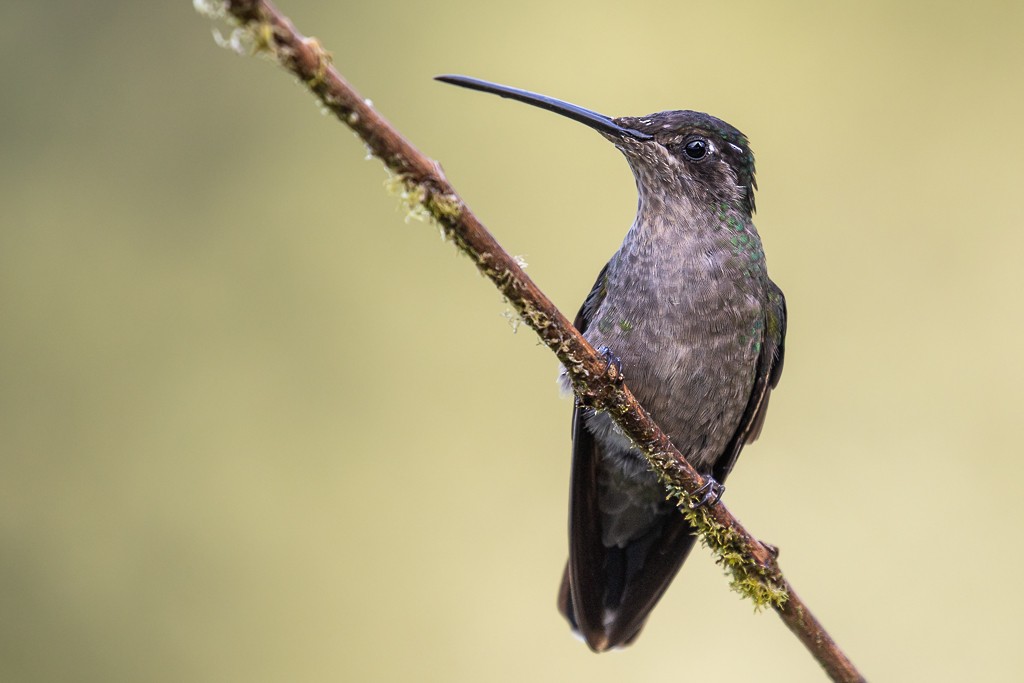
{"type": "Point", "coordinates": [671, 151]}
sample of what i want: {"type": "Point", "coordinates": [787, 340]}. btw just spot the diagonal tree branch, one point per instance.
{"type": "Point", "coordinates": [259, 27]}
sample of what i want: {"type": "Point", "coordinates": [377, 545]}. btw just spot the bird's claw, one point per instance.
{"type": "Point", "coordinates": [709, 494]}
{"type": "Point", "coordinates": [613, 364]}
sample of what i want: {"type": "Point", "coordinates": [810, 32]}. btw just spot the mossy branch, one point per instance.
{"type": "Point", "coordinates": [258, 27]}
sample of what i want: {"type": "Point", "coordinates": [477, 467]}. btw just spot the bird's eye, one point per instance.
{"type": "Point", "coordinates": [696, 149]}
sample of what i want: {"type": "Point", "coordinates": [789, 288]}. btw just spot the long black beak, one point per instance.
{"type": "Point", "coordinates": [598, 122]}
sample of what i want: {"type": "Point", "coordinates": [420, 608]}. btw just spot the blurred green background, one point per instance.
{"type": "Point", "coordinates": [254, 426]}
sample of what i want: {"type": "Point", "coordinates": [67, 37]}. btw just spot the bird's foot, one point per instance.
{"type": "Point", "coordinates": [613, 364]}
{"type": "Point", "coordinates": [709, 494]}
{"type": "Point", "coordinates": [773, 550]}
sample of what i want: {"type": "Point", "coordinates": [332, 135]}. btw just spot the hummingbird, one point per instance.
{"type": "Point", "coordinates": [687, 313]}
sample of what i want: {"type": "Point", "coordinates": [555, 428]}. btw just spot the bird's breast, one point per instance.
{"type": "Point", "coordinates": [687, 322]}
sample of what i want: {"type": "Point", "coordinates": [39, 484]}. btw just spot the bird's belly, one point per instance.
{"type": "Point", "coordinates": [693, 371]}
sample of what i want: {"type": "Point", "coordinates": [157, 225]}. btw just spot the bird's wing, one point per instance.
{"type": "Point", "coordinates": [607, 592]}
{"type": "Point", "coordinates": [769, 371]}
{"type": "Point", "coordinates": [592, 302]}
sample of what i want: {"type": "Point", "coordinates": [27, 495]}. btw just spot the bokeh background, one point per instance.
{"type": "Point", "coordinates": [254, 426]}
